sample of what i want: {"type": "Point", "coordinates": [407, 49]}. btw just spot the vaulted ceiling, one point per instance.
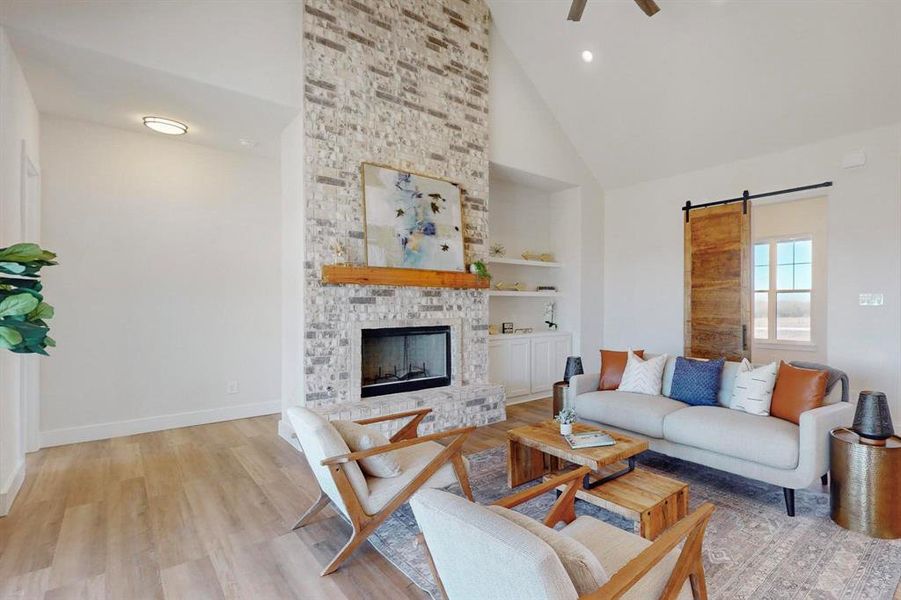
{"type": "Point", "coordinates": [706, 82]}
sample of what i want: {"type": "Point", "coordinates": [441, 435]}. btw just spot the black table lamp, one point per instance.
{"type": "Point", "coordinates": [573, 367]}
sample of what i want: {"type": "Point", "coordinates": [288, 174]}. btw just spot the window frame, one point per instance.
{"type": "Point", "coordinates": [773, 292]}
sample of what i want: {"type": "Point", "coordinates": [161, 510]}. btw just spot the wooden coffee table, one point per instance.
{"type": "Point", "coordinates": [652, 501]}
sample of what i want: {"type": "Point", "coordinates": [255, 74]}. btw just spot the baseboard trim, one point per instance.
{"type": "Point", "coordinates": [102, 431]}
{"type": "Point", "coordinates": [528, 398]}
{"type": "Point", "coordinates": [11, 489]}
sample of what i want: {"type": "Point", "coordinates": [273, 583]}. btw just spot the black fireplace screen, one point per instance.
{"type": "Point", "coordinates": [401, 359]}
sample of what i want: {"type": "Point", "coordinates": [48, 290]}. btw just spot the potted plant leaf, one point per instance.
{"type": "Point", "coordinates": [23, 312]}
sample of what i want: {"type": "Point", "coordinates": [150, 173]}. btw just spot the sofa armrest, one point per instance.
{"type": "Point", "coordinates": [815, 425]}
{"type": "Point", "coordinates": [581, 384]}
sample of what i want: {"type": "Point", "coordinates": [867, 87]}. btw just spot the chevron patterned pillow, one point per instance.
{"type": "Point", "coordinates": [643, 376]}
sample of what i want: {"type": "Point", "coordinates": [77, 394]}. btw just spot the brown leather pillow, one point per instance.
{"type": "Point", "coordinates": [613, 364]}
{"type": "Point", "coordinates": [796, 391]}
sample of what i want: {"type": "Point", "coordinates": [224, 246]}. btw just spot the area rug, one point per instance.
{"type": "Point", "coordinates": [752, 549]}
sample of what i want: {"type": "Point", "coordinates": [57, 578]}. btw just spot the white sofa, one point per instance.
{"type": "Point", "coordinates": [764, 448]}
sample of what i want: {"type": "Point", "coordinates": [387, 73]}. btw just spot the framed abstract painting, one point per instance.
{"type": "Point", "coordinates": [413, 221]}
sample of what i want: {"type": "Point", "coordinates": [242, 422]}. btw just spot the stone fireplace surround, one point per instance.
{"type": "Point", "coordinates": [403, 83]}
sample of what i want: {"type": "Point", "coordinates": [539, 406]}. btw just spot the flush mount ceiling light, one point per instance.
{"type": "Point", "coordinates": [587, 56]}
{"type": "Point", "coordinates": [167, 126]}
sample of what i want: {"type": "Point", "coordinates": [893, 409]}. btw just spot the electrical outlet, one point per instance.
{"type": "Point", "coordinates": [871, 299]}
{"type": "Point", "coordinates": [231, 387]}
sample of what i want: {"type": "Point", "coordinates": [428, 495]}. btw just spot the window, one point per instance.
{"type": "Point", "coordinates": [783, 285]}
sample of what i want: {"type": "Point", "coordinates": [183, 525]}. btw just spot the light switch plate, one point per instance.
{"type": "Point", "coordinates": [871, 299]}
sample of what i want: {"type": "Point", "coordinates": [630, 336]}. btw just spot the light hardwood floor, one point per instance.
{"type": "Point", "coordinates": [191, 513]}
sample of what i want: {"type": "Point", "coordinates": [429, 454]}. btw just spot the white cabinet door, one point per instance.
{"type": "Point", "coordinates": [542, 355]}
{"type": "Point", "coordinates": [518, 364]}
{"type": "Point", "coordinates": [562, 350]}
{"type": "Point", "coordinates": [498, 353]}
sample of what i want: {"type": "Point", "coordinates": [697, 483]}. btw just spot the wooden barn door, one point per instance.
{"type": "Point", "coordinates": [718, 282]}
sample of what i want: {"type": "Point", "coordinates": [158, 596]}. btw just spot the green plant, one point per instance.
{"type": "Point", "coordinates": [567, 416]}
{"type": "Point", "coordinates": [481, 270]}
{"type": "Point", "coordinates": [23, 312]}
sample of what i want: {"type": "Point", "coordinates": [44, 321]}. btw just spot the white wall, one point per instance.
{"type": "Point", "coordinates": [644, 246]}
{"type": "Point", "coordinates": [168, 284]}
{"type": "Point", "coordinates": [18, 125]}
{"type": "Point", "coordinates": [807, 217]}
{"type": "Point", "coordinates": [525, 135]}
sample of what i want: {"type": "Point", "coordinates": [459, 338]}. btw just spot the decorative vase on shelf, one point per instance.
{"type": "Point", "coordinates": [566, 428]}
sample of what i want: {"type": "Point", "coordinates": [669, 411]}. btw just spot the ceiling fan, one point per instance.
{"type": "Point", "coordinates": [649, 7]}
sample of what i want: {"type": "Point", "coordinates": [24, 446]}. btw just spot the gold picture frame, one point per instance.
{"type": "Point", "coordinates": [408, 222]}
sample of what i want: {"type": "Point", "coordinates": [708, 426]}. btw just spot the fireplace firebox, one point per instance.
{"type": "Point", "coordinates": [403, 359]}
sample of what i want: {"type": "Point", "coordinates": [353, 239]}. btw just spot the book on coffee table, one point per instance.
{"type": "Point", "coordinates": [592, 439]}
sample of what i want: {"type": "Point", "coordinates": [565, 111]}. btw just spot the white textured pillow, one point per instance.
{"type": "Point", "coordinates": [584, 569]}
{"type": "Point", "coordinates": [753, 390]}
{"type": "Point", "coordinates": [359, 437]}
{"type": "Point", "coordinates": [643, 376]}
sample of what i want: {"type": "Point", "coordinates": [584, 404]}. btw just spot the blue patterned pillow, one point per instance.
{"type": "Point", "coordinates": [696, 382]}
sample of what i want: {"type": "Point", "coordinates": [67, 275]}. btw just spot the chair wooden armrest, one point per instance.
{"type": "Point", "coordinates": [564, 508]}
{"type": "Point", "coordinates": [352, 456]}
{"type": "Point", "coordinates": [689, 565]}
{"type": "Point", "coordinates": [406, 432]}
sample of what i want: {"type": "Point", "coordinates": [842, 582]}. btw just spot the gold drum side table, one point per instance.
{"type": "Point", "coordinates": [865, 490]}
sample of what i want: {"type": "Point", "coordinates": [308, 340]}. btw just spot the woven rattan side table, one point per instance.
{"type": "Point", "coordinates": [865, 488]}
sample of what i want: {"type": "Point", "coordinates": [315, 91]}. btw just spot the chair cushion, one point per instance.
{"type": "Point", "coordinates": [613, 364]}
{"type": "Point", "coordinates": [643, 376]}
{"type": "Point", "coordinates": [319, 440]}
{"type": "Point", "coordinates": [696, 382]}
{"type": "Point", "coordinates": [583, 567]}
{"type": "Point", "coordinates": [633, 412]}
{"type": "Point", "coordinates": [764, 440]}
{"type": "Point", "coordinates": [359, 437]}
{"type": "Point", "coordinates": [614, 547]}
{"type": "Point", "coordinates": [479, 554]}
{"type": "Point", "coordinates": [797, 390]}
{"type": "Point", "coordinates": [412, 460]}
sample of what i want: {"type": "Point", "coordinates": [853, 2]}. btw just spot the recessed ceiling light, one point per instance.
{"type": "Point", "coordinates": [167, 126]}
{"type": "Point", "coordinates": [587, 56]}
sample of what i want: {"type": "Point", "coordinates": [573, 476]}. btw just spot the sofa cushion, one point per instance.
{"type": "Point", "coordinates": [360, 437]}
{"type": "Point", "coordinates": [696, 382]}
{"type": "Point", "coordinates": [640, 413]}
{"type": "Point", "coordinates": [797, 390]}
{"type": "Point", "coordinates": [754, 438]}
{"type": "Point", "coordinates": [753, 389]}
{"type": "Point", "coordinates": [613, 363]}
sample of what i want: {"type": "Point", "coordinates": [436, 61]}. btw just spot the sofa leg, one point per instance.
{"type": "Point", "coordinates": [825, 479]}
{"type": "Point", "coordinates": [789, 501]}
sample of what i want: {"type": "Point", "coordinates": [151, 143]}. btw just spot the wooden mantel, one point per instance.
{"type": "Point", "coordinates": [363, 275]}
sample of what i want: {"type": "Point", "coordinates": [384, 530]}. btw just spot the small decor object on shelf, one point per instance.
{"type": "Point", "coordinates": [547, 288]}
{"type": "Point", "coordinates": [510, 287]}
{"type": "Point", "coordinates": [507, 327]}
{"type": "Point", "coordinates": [529, 255]}
{"type": "Point", "coordinates": [492, 329]}
{"type": "Point", "coordinates": [546, 257]}
{"type": "Point", "coordinates": [479, 268]}
{"type": "Point", "coordinates": [550, 315]}
{"type": "Point", "coordinates": [23, 312]}
{"type": "Point", "coordinates": [573, 367]}
{"type": "Point", "coordinates": [872, 419]}
{"type": "Point", "coordinates": [339, 252]}
{"type": "Point", "coordinates": [566, 418]}
{"type": "Point", "coordinates": [412, 221]}
{"type": "Point", "coordinates": [497, 250]}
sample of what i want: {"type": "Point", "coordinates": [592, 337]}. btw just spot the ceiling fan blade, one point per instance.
{"type": "Point", "coordinates": [576, 10]}
{"type": "Point", "coordinates": [649, 7]}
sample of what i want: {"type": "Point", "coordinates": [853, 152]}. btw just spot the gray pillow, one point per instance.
{"type": "Point", "coordinates": [359, 437]}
